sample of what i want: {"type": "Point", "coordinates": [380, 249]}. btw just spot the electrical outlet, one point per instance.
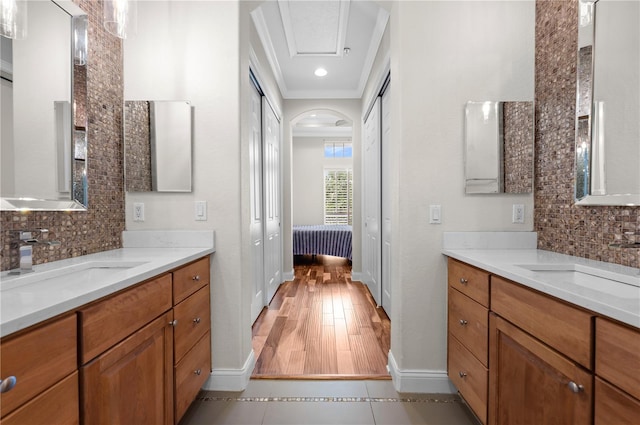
{"type": "Point", "coordinates": [138, 211]}
{"type": "Point", "coordinates": [518, 214]}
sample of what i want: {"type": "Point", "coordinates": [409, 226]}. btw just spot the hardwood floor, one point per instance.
{"type": "Point", "coordinates": [321, 325]}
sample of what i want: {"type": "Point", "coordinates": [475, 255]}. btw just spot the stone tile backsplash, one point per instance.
{"type": "Point", "coordinates": [561, 225]}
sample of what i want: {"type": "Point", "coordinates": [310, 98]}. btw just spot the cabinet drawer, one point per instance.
{"type": "Point", "coordinates": [559, 325]}
{"type": "Point", "coordinates": [469, 280]}
{"type": "Point", "coordinates": [469, 376]}
{"type": "Point", "coordinates": [107, 322]}
{"type": "Point", "coordinates": [194, 320]}
{"type": "Point", "coordinates": [612, 406]}
{"type": "Point", "coordinates": [38, 359]}
{"type": "Point", "coordinates": [189, 279]}
{"type": "Point", "coordinates": [469, 323]}
{"type": "Point", "coordinates": [191, 374]}
{"type": "Point", "coordinates": [59, 402]}
{"type": "Point", "coordinates": [618, 355]}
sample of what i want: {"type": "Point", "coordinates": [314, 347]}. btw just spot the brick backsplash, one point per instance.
{"type": "Point", "coordinates": [563, 226]}
{"type": "Point", "coordinates": [99, 228]}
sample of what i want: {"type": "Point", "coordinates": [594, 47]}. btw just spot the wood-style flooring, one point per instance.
{"type": "Point", "coordinates": [321, 325]}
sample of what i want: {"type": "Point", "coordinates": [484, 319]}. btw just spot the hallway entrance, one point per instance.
{"type": "Point", "coordinates": [321, 325]}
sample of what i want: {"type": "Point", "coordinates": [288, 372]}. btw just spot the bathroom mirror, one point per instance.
{"type": "Point", "coordinates": [608, 104]}
{"type": "Point", "coordinates": [499, 147]}
{"type": "Point", "coordinates": [44, 101]}
{"type": "Point", "coordinates": [157, 138]}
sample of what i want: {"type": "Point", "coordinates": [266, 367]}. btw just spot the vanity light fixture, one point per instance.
{"type": "Point", "coordinates": [120, 17]}
{"type": "Point", "coordinates": [13, 19]}
{"type": "Point", "coordinates": [320, 72]}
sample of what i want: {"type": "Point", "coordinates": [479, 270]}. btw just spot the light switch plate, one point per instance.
{"type": "Point", "coordinates": [201, 210]}
{"type": "Point", "coordinates": [435, 214]}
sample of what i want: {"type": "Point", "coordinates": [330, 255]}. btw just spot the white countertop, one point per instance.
{"type": "Point", "coordinates": [28, 299]}
{"type": "Point", "coordinates": [618, 299]}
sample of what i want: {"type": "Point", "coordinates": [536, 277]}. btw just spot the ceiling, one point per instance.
{"type": "Point", "coordinates": [341, 36]}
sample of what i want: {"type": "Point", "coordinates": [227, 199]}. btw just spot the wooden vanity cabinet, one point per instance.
{"type": "Point", "coordinates": [617, 369]}
{"type": "Point", "coordinates": [192, 336]}
{"type": "Point", "coordinates": [44, 361]}
{"type": "Point", "coordinates": [127, 354]}
{"type": "Point", "coordinates": [532, 383]}
{"type": "Point", "coordinates": [468, 330]}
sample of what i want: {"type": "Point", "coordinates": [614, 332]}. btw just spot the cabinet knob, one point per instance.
{"type": "Point", "coordinates": [197, 372]}
{"type": "Point", "coordinates": [463, 322]}
{"type": "Point", "coordinates": [7, 384]}
{"type": "Point", "coordinates": [196, 277]}
{"type": "Point", "coordinates": [196, 320]}
{"type": "Point", "coordinates": [174, 322]}
{"type": "Point", "coordinates": [463, 281]}
{"type": "Point", "coordinates": [462, 374]}
{"type": "Point", "coordinates": [576, 388]}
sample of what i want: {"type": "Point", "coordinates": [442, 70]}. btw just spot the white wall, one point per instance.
{"type": "Point", "coordinates": [442, 55]}
{"type": "Point", "coordinates": [308, 165]}
{"type": "Point", "coordinates": [189, 51]}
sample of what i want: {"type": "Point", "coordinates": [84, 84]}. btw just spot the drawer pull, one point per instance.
{"type": "Point", "coordinates": [196, 277]}
{"type": "Point", "coordinates": [463, 281]}
{"type": "Point", "coordinates": [7, 384]}
{"type": "Point", "coordinates": [462, 374]}
{"type": "Point", "coordinates": [196, 320]}
{"type": "Point", "coordinates": [576, 388]}
{"type": "Point", "coordinates": [197, 372]}
{"type": "Point", "coordinates": [173, 323]}
{"type": "Point", "coordinates": [463, 322]}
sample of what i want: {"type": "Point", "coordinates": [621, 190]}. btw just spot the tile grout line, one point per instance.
{"type": "Point", "coordinates": [331, 399]}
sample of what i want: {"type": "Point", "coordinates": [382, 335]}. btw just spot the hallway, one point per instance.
{"type": "Point", "coordinates": [321, 325]}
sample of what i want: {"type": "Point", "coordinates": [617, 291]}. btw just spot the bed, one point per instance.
{"type": "Point", "coordinates": [322, 240]}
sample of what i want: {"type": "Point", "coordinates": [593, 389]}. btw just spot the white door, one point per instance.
{"type": "Point", "coordinates": [257, 225]}
{"type": "Point", "coordinates": [386, 198]}
{"type": "Point", "coordinates": [371, 201]}
{"type": "Point", "coordinates": [273, 239]}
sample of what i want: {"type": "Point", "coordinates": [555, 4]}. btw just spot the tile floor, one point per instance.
{"type": "Point", "coordinates": [280, 402]}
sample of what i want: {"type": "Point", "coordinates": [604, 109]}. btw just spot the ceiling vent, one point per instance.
{"type": "Point", "coordinates": [315, 28]}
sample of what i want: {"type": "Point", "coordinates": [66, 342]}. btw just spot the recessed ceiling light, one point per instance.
{"type": "Point", "coordinates": [320, 72]}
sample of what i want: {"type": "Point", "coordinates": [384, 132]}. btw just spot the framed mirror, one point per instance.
{"type": "Point", "coordinates": [499, 146]}
{"type": "Point", "coordinates": [608, 104]}
{"type": "Point", "coordinates": [44, 103]}
{"type": "Point", "coordinates": [157, 146]}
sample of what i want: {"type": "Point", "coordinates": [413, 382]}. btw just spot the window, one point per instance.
{"type": "Point", "coordinates": [338, 196]}
{"type": "Point", "coordinates": [338, 150]}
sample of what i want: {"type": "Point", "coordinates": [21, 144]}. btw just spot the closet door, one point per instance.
{"type": "Point", "coordinates": [256, 226]}
{"type": "Point", "coordinates": [386, 200]}
{"type": "Point", "coordinates": [371, 245]}
{"type": "Point", "coordinates": [272, 237]}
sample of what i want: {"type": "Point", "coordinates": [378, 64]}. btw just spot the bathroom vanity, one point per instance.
{"type": "Point", "coordinates": [540, 337]}
{"type": "Point", "coordinates": [121, 336]}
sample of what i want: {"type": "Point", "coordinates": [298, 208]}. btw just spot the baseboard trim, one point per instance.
{"type": "Point", "coordinates": [288, 276]}
{"type": "Point", "coordinates": [231, 379]}
{"type": "Point", "coordinates": [419, 381]}
{"type": "Point", "coordinates": [356, 276]}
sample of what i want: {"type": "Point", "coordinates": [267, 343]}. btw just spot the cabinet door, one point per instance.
{"type": "Point", "coordinates": [132, 382]}
{"type": "Point", "coordinates": [531, 383]}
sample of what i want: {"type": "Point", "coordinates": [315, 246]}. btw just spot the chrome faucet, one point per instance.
{"type": "Point", "coordinates": [25, 241]}
{"type": "Point", "coordinates": [631, 242]}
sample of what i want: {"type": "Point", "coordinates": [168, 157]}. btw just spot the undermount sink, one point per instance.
{"type": "Point", "coordinates": [575, 271]}
{"type": "Point", "coordinates": [86, 271]}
